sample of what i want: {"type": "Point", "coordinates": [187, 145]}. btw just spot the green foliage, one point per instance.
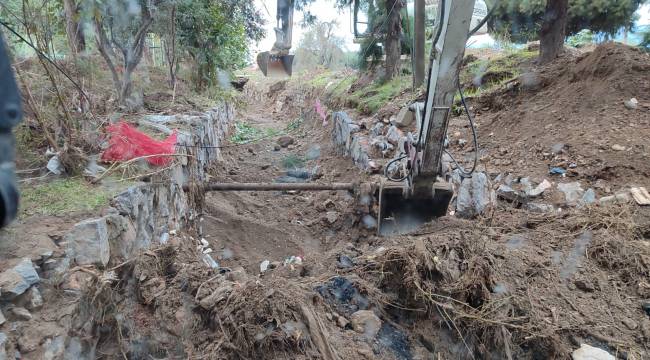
{"type": "Point", "coordinates": [245, 133]}
{"type": "Point", "coordinates": [320, 46]}
{"type": "Point", "coordinates": [61, 197]}
{"type": "Point", "coordinates": [371, 98]}
{"type": "Point", "coordinates": [582, 38]}
{"type": "Point", "coordinates": [522, 19]}
{"type": "Point", "coordinates": [293, 161]}
{"type": "Point", "coordinates": [216, 35]}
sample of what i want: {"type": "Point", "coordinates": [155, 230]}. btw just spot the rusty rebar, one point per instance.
{"type": "Point", "coordinates": [278, 186]}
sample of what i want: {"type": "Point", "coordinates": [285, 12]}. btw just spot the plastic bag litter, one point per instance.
{"type": "Point", "coordinates": [127, 143]}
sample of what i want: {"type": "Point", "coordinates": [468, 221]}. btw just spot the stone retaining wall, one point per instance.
{"type": "Point", "coordinates": [145, 214]}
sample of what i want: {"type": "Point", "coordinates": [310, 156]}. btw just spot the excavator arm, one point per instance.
{"type": "Point", "coordinates": [278, 62]}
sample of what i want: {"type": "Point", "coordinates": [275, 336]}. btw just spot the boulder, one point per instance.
{"type": "Point", "coordinates": [366, 322]}
{"type": "Point", "coordinates": [35, 298]}
{"type": "Point", "coordinates": [405, 118]}
{"type": "Point", "coordinates": [87, 242]}
{"type": "Point", "coordinates": [53, 349]}
{"type": "Point", "coordinates": [21, 313]}
{"type": "Point", "coordinates": [475, 196]}
{"type": "Point", "coordinates": [18, 279]}
{"type": "Point", "coordinates": [121, 236]}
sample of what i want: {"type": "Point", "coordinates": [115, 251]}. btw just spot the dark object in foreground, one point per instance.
{"type": "Point", "coordinates": [10, 116]}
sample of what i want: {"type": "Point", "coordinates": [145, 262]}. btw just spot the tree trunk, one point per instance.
{"type": "Point", "coordinates": [170, 49]}
{"type": "Point", "coordinates": [393, 34]}
{"type": "Point", "coordinates": [73, 29]}
{"type": "Point", "coordinates": [553, 31]}
{"type": "Point", "coordinates": [419, 43]}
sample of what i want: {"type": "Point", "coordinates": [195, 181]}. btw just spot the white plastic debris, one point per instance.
{"type": "Point", "coordinates": [209, 261]}
{"type": "Point", "coordinates": [205, 242]}
{"type": "Point", "coordinates": [543, 186]}
{"type": "Point", "coordinates": [587, 352]}
{"type": "Point", "coordinates": [293, 260]}
{"type": "Point", "coordinates": [54, 165]}
{"type": "Point", "coordinates": [264, 266]}
{"type": "Point", "coordinates": [631, 104]}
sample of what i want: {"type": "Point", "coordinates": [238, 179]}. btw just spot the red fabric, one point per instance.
{"type": "Point", "coordinates": [127, 143]}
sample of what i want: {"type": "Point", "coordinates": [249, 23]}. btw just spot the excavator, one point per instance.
{"type": "Point", "coordinates": [422, 189]}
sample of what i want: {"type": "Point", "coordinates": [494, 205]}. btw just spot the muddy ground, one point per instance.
{"type": "Point", "coordinates": [302, 276]}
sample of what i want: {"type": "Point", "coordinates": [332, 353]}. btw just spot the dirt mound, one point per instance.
{"type": "Point", "coordinates": [576, 104]}
{"type": "Point", "coordinates": [509, 289]}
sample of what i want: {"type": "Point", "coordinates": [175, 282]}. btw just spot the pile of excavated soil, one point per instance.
{"type": "Point", "coordinates": [458, 289]}
{"type": "Point", "coordinates": [570, 114]}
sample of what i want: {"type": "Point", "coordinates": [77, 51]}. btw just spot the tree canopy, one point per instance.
{"type": "Point", "coordinates": [522, 19]}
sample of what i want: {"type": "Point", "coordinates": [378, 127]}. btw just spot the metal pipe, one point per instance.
{"type": "Point", "coordinates": [277, 186]}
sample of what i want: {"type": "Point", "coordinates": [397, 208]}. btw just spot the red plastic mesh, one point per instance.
{"type": "Point", "coordinates": [127, 143]}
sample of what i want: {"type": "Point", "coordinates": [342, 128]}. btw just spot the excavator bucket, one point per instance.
{"type": "Point", "coordinates": [275, 65]}
{"type": "Point", "coordinates": [401, 213]}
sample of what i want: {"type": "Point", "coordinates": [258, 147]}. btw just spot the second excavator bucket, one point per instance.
{"type": "Point", "coordinates": [275, 65]}
{"type": "Point", "coordinates": [401, 214]}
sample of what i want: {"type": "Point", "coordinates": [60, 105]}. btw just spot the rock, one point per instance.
{"type": "Point", "coordinates": [620, 198]}
{"type": "Point", "coordinates": [631, 104]}
{"type": "Point", "coordinates": [404, 118]}
{"type": "Point", "coordinates": [121, 236]}
{"type": "Point", "coordinates": [3, 346]}
{"type": "Point", "coordinates": [332, 216]}
{"type": "Point", "coordinates": [35, 298]}
{"type": "Point", "coordinates": [53, 349]}
{"type": "Point", "coordinates": [87, 242]}
{"type": "Point", "coordinates": [16, 280]}
{"type": "Point", "coordinates": [344, 262]}
{"type": "Point", "coordinates": [589, 197]}
{"type": "Point", "coordinates": [285, 141]}
{"type": "Point", "coordinates": [572, 192]}
{"type": "Point", "coordinates": [617, 147]}
{"type": "Point", "coordinates": [558, 148]}
{"type": "Point", "coordinates": [342, 322]}
{"type": "Point", "coordinates": [584, 285]}
{"type": "Point", "coordinates": [313, 153]}
{"type": "Point", "coordinates": [265, 166]}
{"type": "Point", "coordinates": [366, 322]}
{"type": "Point", "coordinates": [631, 324]}
{"type": "Point", "coordinates": [543, 186]}
{"type": "Point", "coordinates": [540, 208]}
{"type": "Point", "coordinates": [530, 81]}
{"type": "Point", "coordinates": [474, 196]}
{"type": "Point", "coordinates": [377, 129]}
{"type": "Point", "coordinates": [507, 193]}
{"type": "Point", "coordinates": [76, 281]}
{"type": "Point", "coordinates": [264, 265]}
{"type": "Point", "coordinates": [21, 313]}
{"type": "Point", "coordinates": [587, 352]}
{"type": "Point", "coordinates": [2, 318]}
{"type": "Point", "coordinates": [369, 222]}
{"type": "Point", "coordinates": [393, 135]}
{"type": "Point", "coordinates": [646, 307]}
{"type": "Point", "coordinates": [277, 147]}
{"type": "Point", "coordinates": [640, 195]}
{"type": "Point", "coordinates": [237, 275]}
